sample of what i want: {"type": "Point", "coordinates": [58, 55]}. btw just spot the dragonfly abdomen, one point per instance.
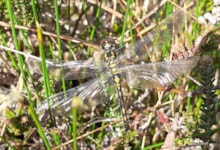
{"type": "Point", "coordinates": [110, 58]}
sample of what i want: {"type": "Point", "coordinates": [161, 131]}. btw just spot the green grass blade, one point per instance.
{"type": "Point", "coordinates": [92, 33]}
{"type": "Point", "coordinates": [59, 40]}
{"type": "Point", "coordinates": [46, 80]}
{"type": "Point", "coordinates": [125, 22]}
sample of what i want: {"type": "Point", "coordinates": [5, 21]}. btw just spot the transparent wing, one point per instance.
{"type": "Point", "coordinates": [90, 94]}
{"type": "Point", "coordinates": [151, 44]}
{"type": "Point", "coordinates": [70, 69]}
{"type": "Point", "coordinates": [157, 74]}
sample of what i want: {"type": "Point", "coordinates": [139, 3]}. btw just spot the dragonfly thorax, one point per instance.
{"type": "Point", "coordinates": [109, 48]}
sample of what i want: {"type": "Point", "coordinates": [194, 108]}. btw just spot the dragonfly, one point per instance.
{"type": "Point", "coordinates": [111, 65]}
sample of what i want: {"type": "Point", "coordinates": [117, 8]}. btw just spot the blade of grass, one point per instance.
{"type": "Point", "coordinates": [45, 76]}
{"type": "Point", "coordinates": [127, 12]}
{"type": "Point", "coordinates": [74, 121]}
{"type": "Point", "coordinates": [39, 127]}
{"type": "Point", "coordinates": [59, 40]}
{"type": "Point", "coordinates": [42, 55]}
{"type": "Point", "coordinates": [44, 66]}
{"type": "Point", "coordinates": [70, 44]}
{"type": "Point", "coordinates": [131, 31]}
{"type": "Point", "coordinates": [58, 29]}
{"type": "Point", "coordinates": [56, 138]}
{"type": "Point", "coordinates": [51, 50]}
{"type": "Point", "coordinates": [92, 33]}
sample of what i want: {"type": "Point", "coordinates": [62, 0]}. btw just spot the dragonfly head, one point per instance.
{"type": "Point", "coordinates": [108, 46]}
